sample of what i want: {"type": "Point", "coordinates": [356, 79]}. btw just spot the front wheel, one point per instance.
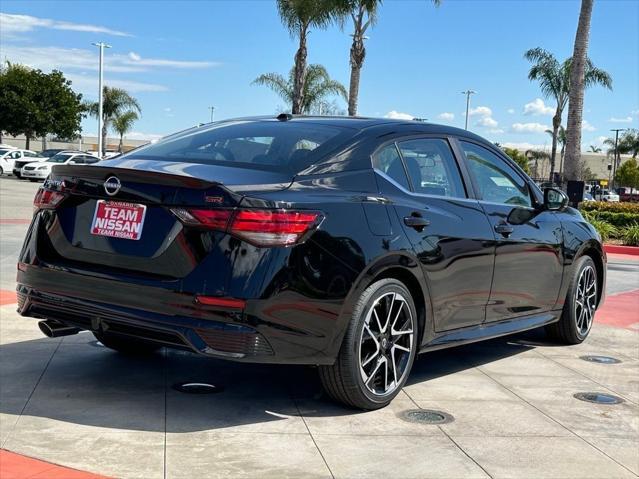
{"type": "Point", "coordinates": [581, 303]}
{"type": "Point", "coordinates": [378, 350]}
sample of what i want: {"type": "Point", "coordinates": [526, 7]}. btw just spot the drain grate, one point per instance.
{"type": "Point", "coordinates": [598, 398]}
{"type": "Point", "coordinates": [600, 359]}
{"type": "Point", "coordinates": [426, 416]}
{"type": "Point", "coordinates": [197, 388]}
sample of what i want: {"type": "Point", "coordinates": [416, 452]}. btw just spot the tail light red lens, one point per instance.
{"type": "Point", "coordinates": [259, 227]}
{"type": "Point", "coordinates": [47, 199]}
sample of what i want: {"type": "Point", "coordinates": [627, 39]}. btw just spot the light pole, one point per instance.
{"type": "Point", "coordinates": [467, 93]}
{"type": "Point", "coordinates": [102, 46]}
{"type": "Point", "coordinates": [212, 108]}
{"type": "Point", "coordinates": [614, 163]}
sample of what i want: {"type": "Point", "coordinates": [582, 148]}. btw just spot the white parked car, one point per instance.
{"type": "Point", "coordinates": [8, 157]}
{"type": "Point", "coordinates": [40, 170]}
{"type": "Point", "coordinates": [606, 195]}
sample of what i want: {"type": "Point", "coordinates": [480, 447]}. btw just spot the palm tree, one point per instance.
{"type": "Point", "coordinates": [364, 14]}
{"type": "Point", "coordinates": [536, 155]}
{"type": "Point", "coordinates": [299, 16]}
{"type": "Point", "coordinates": [116, 102]}
{"type": "Point", "coordinates": [595, 149]}
{"type": "Point", "coordinates": [554, 81]}
{"type": "Point", "coordinates": [122, 124]}
{"type": "Point", "coordinates": [317, 86]}
{"type": "Point", "coordinates": [629, 142]}
{"type": "Point", "coordinates": [561, 139]}
{"type": "Point", "coordinates": [578, 82]}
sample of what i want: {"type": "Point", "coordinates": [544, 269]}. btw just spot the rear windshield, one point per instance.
{"type": "Point", "coordinates": [59, 158]}
{"type": "Point", "coordinates": [287, 147]}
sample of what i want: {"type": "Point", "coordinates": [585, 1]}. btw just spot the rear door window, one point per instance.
{"type": "Point", "coordinates": [388, 161]}
{"type": "Point", "coordinates": [432, 167]}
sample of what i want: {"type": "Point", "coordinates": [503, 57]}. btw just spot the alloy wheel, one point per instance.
{"type": "Point", "coordinates": [585, 300]}
{"type": "Point", "coordinates": [386, 343]}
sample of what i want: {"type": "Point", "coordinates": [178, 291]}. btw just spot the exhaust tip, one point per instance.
{"type": "Point", "coordinates": [54, 329]}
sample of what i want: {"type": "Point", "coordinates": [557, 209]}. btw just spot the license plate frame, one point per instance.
{"type": "Point", "coordinates": [118, 219]}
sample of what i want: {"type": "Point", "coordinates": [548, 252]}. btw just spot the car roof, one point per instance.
{"type": "Point", "coordinates": [382, 125]}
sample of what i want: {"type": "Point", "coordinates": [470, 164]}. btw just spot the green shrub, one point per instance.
{"type": "Point", "coordinates": [619, 207]}
{"type": "Point", "coordinates": [605, 230]}
{"type": "Point", "coordinates": [630, 235]}
{"type": "Point", "coordinates": [619, 220]}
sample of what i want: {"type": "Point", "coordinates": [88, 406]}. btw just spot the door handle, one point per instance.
{"type": "Point", "coordinates": [504, 229]}
{"type": "Point", "coordinates": [416, 221]}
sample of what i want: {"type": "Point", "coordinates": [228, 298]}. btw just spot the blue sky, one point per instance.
{"type": "Point", "coordinates": [178, 58]}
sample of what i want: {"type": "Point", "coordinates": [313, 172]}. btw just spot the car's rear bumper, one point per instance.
{"type": "Point", "coordinates": [167, 317]}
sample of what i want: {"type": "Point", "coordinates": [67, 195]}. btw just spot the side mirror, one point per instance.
{"type": "Point", "coordinates": [555, 199]}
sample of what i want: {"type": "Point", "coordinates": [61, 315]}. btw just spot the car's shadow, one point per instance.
{"type": "Point", "coordinates": [87, 384]}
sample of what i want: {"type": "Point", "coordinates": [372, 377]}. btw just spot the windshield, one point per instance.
{"type": "Point", "coordinates": [48, 153]}
{"type": "Point", "coordinates": [268, 145]}
{"type": "Point", "coordinates": [59, 158]}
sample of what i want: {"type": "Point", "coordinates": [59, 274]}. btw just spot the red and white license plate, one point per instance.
{"type": "Point", "coordinates": [118, 219]}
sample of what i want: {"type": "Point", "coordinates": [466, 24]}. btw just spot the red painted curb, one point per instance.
{"type": "Point", "coordinates": [620, 310]}
{"type": "Point", "coordinates": [619, 249]}
{"type": "Point", "coordinates": [17, 466]}
{"type": "Point", "coordinates": [7, 297]}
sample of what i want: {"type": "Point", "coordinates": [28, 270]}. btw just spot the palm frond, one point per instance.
{"type": "Point", "coordinates": [122, 123]}
{"type": "Point", "coordinates": [278, 84]}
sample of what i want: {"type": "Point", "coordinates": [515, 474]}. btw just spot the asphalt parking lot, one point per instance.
{"type": "Point", "coordinates": [72, 402]}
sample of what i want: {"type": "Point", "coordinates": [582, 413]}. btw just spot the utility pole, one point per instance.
{"type": "Point", "coordinates": [467, 93]}
{"type": "Point", "coordinates": [212, 108]}
{"type": "Point", "coordinates": [102, 46]}
{"type": "Point", "coordinates": [617, 157]}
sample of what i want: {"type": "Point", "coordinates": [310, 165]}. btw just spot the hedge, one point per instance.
{"type": "Point", "coordinates": [619, 220]}
{"type": "Point", "coordinates": [617, 207]}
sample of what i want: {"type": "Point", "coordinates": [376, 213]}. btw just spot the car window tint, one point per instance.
{"type": "Point", "coordinates": [432, 167]}
{"type": "Point", "coordinates": [30, 154]}
{"type": "Point", "coordinates": [388, 161]}
{"type": "Point", "coordinates": [276, 146]}
{"type": "Point", "coordinates": [497, 181]}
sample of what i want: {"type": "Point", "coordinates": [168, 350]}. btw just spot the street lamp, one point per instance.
{"type": "Point", "coordinates": [212, 108]}
{"type": "Point", "coordinates": [617, 158]}
{"type": "Point", "coordinates": [467, 93]}
{"type": "Point", "coordinates": [102, 46]}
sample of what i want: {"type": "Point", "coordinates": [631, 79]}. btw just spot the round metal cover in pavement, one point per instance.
{"type": "Point", "coordinates": [197, 388]}
{"type": "Point", "coordinates": [426, 416]}
{"type": "Point", "coordinates": [600, 359]}
{"type": "Point", "coordinates": [598, 398]}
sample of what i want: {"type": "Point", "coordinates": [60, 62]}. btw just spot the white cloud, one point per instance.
{"type": "Point", "coordinates": [634, 112]}
{"type": "Point", "coordinates": [538, 107]}
{"type": "Point", "coordinates": [627, 119]}
{"type": "Point", "coordinates": [397, 115]}
{"type": "Point", "coordinates": [587, 126]}
{"type": "Point", "coordinates": [11, 24]}
{"type": "Point", "coordinates": [487, 122]}
{"type": "Point", "coordinates": [138, 135]}
{"type": "Point", "coordinates": [48, 58]}
{"type": "Point", "coordinates": [480, 111]}
{"type": "Point", "coordinates": [524, 146]}
{"type": "Point", "coordinates": [89, 85]}
{"type": "Point", "coordinates": [529, 127]}
{"type": "Point", "coordinates": [446, 116]}
{"type": "Point", "coordinates": [511, 111]}
{"type": "Point", "coordinates": [496, 130]}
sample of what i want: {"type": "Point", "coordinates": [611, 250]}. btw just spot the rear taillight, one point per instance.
{"type": "Point", "coordinates": [47, 199]}
{"type": "Point", "coordinates": [259, 227]}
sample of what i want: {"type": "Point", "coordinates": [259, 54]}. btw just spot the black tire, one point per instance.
{"type": "Point", "coordinates": [343, 381]}
{"type": "Point", "coordinates": [569, 329]}
{"type": "Point", "coordinates": [126, 345]}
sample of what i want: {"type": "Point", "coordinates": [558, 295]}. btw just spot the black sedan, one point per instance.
{"type": "Point", "coordinates": [348, 243]}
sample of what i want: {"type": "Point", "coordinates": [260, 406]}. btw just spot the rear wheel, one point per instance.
{"type": "Point", "coordinates": [581, 303]}
{"type": "Point", "coordinates": [125, 344]}
{"type": "Point", "coordinates": [378, 349]}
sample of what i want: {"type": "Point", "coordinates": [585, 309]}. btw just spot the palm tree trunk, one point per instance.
{"type": "Point", "coordinates": [576, 96]}
{"type": "Point", "coordinates": [300, 72]}
{"type": "Point", "coordinates": [120, 146]}
{"type": "Point", "coordinates": [561, 160]}
{"type": "Point", "coordinates": [556, 122]}
{"type": "Point", "coordinates": [26, 142]}
{"type": "Point", "coordinates": [104, 139]}
{"type": "Point", "coordinates": [358, 52]}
